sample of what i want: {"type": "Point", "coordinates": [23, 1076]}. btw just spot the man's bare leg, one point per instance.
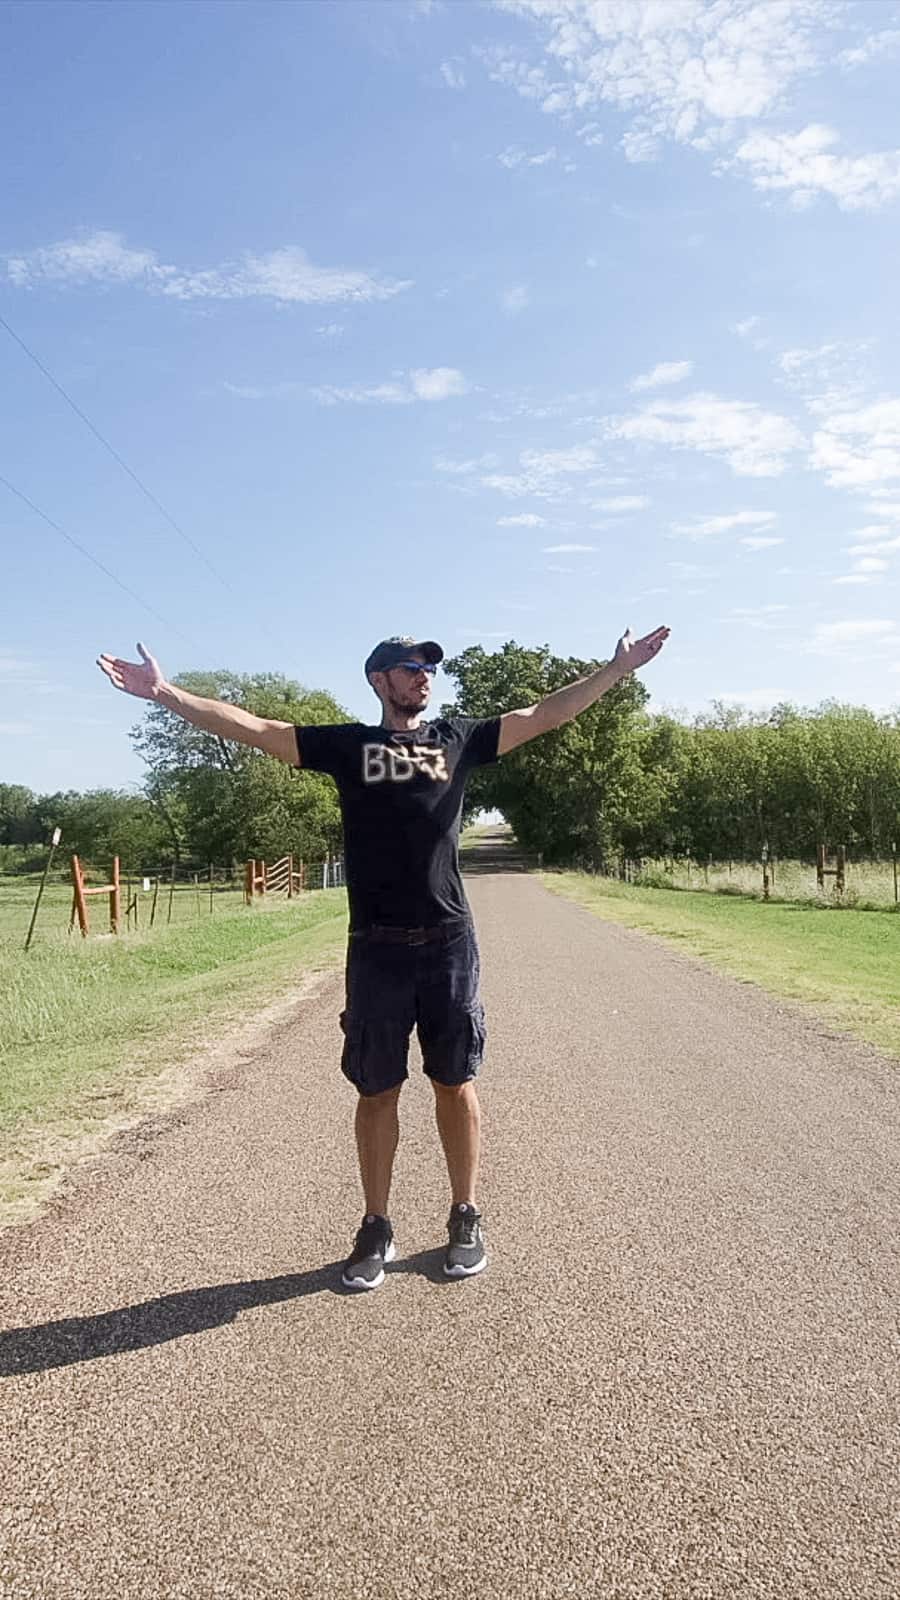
{"type": "Point", "coordinates": [377, 1134]}
{"type": "Point", "coordinates": [459, 1125]}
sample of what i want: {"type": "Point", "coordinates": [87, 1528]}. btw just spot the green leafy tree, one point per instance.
{"type": "Point", "coordinates": [227, 802]}
{"type": "Point", "coordinates": [567, 792]}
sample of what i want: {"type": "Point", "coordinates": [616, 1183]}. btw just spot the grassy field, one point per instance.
{"type": "Point", "coordinates": [74, 1012]}
{"type": "Point", "coordinates": [868, 883]}
{"type": "Point", "coordinates": [845, 964]}
{"type": "Point", "coordinates": [18, 894]}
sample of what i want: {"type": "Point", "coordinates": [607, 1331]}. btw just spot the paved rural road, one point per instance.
{"type": "Point", "coordinates": [679, 1377]}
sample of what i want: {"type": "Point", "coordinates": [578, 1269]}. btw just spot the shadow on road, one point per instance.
{"type": "Point", "coordinates": [173, 1316]}
{"type": "Point", "coordinates": [492, 856]}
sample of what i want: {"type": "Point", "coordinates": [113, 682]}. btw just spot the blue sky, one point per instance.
{"type": "Point", "coordinates": [530, 320]}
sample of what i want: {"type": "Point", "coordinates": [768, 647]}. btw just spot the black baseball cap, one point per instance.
{"type": "Point", "coordinates": [389, 652]}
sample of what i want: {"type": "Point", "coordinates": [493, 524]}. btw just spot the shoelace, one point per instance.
{"type": "Point", "coordinates": [371, 1239]}
{"type": "Point", "coordinates": [462, 1229]}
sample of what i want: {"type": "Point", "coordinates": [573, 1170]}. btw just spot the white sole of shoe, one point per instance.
{"type": "Point", "coordinates": [371, 1283]}
{"type": "Point", "coordinates": [465, 1272]}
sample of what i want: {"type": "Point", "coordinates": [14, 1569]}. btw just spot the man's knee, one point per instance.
{"type": "Point", "coordinates": [383, 1102]}
{"type": "Point", "coordinates": [455, 1091]}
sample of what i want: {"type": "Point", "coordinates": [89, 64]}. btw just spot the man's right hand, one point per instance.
{"type": "Point", "coordinates": [141, 678]}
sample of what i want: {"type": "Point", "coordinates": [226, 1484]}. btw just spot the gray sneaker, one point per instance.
{"type": "Point", "coordinates": [465, 1252]}
{"type": "Point", "coordinates": [364, 1267]}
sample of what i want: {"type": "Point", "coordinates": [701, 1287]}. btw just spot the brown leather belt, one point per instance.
{"type": "Point", "coordinates": [386, 935]}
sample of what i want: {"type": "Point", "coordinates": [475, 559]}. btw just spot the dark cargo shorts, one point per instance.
{"type": "Point", "coordinates": [396, 984]}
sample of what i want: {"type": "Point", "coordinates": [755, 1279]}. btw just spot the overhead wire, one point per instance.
{"type": "Point", "coordinates": [82, 549]}
{"type": "Point", "coordinates": [148, 493]}
{"type": "Point", "coordinates": [115, 455]}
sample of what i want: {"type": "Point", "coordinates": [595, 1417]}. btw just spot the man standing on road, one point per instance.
{"type": "Point", "coordinates": [412, 957]}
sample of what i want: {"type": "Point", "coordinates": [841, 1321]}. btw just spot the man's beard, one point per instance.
{"type": "Point", "coordinates": [407, 704]}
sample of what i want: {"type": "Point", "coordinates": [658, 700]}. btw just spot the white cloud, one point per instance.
{"type": "Point", "coordinates": [330, 330]}
{"type": "Point", "coordinates": [437, 383]}
{"type": "Point", "coordinates": [885, 508]}
{"type": "Point", "coordinates": [514, 300]}
{"type": "Point", "coordinates": [286, 275]}
{"type": "Point", "coordinates": [542, 472]}
{"type": "Point", "coordinates": [423, 383]}
{"type": "Point", "coordinates": [452, 73]}
{"type": "Point", "coordinates": [832, 638]}
{"type": "Point", "coordinates": [569, 549]}
{"type": "Point", "coordinates": [754, 542]}
{"type": "Point", "coordinates": [528, 519]}
{"type": "Point", "coordinates": [877, 47]}
{"type": "Point", "coordinates": [707, 527]}
{"type": "Point", "coordinates": [703, 73]}
{"type": "Point", "coordinates": [804, 166]}
{"type": "Point", "coordinates": [860, 449]}
{"type": "Point", "coordinates": [465, 468]}
{"type": "Point", "coordinates": [591, 134]}
{"type": "Point", "coordinates": [513, 156]}
{"type": "Point", "coordinates": [618, 503]}
{"type": "Point", "coordinates": [755, 443]}
{"type": "Point", "coordinates": [664, 373]}
{"type": "Point", "coordinates": [743, 329]}
{"type": "Point", "coordinates": [684, 70]}
{"type": "Point", "coordinates": [874, 547]}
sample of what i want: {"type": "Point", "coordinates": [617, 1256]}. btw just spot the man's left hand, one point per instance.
{"type": "Point", "coordinates": [633, 653]}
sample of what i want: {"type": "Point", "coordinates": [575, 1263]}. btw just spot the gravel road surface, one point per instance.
{"type": "Point", "coordinates": [680, 1376]}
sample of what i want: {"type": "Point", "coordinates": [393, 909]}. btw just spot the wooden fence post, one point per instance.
{"type": "Point", "coordinates": [79, 904]}
{"type": "Point", "coordinates": [115, 898]}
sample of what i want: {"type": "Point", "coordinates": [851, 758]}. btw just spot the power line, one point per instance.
{"type": "Point", "coordinates": [88, 557]}
{"type": "Point", "coordinates": [115, 455]}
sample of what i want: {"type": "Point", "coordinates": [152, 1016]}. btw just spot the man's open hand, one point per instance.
{"type": "Point", "coordinates": [633, 653]}
{"type": "Point", "coordinates": [142, 678]}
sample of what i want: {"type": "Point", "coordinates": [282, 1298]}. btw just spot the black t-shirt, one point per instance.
{"type": "Point", "coordinates": [401, 797]}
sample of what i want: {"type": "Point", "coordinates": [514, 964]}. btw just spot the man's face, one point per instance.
{"type": "Point", "coordinates": [407, 691]}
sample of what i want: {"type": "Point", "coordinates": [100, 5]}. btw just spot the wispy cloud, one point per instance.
{"type": "Point", "coordinates": [745, 328]}
{"type": "Point", "coordinates": [664, 373]}
{"type": "Point", "coordinates": [708, 527]}
{"type": "Point", "coordinates": [514, 300]}
{"type": "Point", "coordinates": [453, 74]}
{"type": "Point", "coordinates": [423, 383]}
{"type": "Point", "coordinates": [513, 157]}
{"type": "Point", "coordinates": [543, 472]}
{"type": "Point", "coordinates": [835, 638]}
{"type": "Point", "coordinates": [286, 275]}
{"type": "Point", "coordinates": [755, 443]}
{"type": "Point", "coordinates": [759, 542]}
{"type": "Point", "coordinates": [881, 46]}
{"type": "Point", "coordinates": [528, 519]}
{"type": "Point", "coordinates": [569, 549]}
{"type": "Point", "coordinates": [860, 448]}
{"type": "Point", "coordinates": [619, 503]}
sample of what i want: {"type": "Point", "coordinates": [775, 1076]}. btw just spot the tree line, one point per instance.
{"type": "Point", "coordinates": [618, 780]}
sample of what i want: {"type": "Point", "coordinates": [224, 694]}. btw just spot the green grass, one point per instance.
{"type": "Point", "coordinates": [844, 964]}
{"type": "Point", "coordinates": [18, 895]}
{"type": "Point", "coordinates": [868, 883]}
{"type": "Point", "coordinates": [74, 1012]}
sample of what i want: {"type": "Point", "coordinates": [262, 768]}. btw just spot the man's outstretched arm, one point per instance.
{"type": "Point", "coordinates": [517, 727]}
{"type": "Point", "coordinates": [145, 679]}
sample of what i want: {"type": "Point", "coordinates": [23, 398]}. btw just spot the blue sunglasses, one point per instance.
{"type": "Point", "coordinates": [415, 666]}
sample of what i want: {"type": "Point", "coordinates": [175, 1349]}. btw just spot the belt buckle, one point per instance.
{"type": "Point", "coordinates": [418, 936]}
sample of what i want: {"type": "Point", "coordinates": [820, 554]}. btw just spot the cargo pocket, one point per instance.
{"type": "Point", "coordinates": [477, 1037]}
{"type": "Point", "coordinates": [353, 1054]}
